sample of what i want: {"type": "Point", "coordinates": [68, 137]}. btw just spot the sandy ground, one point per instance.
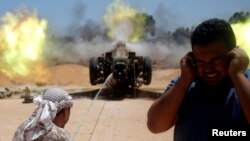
{"type": "Point", "coordinates": [99, 120]}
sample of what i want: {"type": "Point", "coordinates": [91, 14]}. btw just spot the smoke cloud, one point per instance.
{"type": "Point", "coordinates": [89, 39]}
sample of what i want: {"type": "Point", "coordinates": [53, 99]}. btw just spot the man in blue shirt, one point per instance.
{"type": "Point", "coordinates": [211, 97]}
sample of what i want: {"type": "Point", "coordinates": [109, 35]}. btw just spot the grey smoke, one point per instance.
{"type": "Point", "coordinates": [89, 39]}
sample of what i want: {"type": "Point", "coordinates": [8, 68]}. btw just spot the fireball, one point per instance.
{"type": "Point", "coordinates": [21, 43]}
{"type": "Point", "coordinates": [124, 22]}
{"type": "Point", "coordinates": [242, 33]}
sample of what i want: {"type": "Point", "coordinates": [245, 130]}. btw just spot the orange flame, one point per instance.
{"type": "Point", "coordinates": [21, 43]}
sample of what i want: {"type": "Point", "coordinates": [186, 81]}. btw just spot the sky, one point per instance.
{"type": "Point", "coordinates": [168, 13]}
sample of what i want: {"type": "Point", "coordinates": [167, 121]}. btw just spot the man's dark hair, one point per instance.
{"type": "Point", "coordinates": [214, 30]}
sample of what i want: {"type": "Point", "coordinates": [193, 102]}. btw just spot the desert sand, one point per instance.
{"type": "Point", "coordinates": [91, 120]}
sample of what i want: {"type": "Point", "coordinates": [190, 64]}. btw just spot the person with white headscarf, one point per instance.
{"type": "Point", "coordinates": [48, 120]}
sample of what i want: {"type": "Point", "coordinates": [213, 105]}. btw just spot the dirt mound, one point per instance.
{"type": "Point", "coordinates": [161, 78]}
{"type": "Point", "coordinates": [73, 74]}
{"type": "Point", "coordinates": [5, 81]}
{"type": "Point", "coordinates": [69, 74]}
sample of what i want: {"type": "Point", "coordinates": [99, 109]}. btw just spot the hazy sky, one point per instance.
{"type": "Point", "coordinates": [168, 13]}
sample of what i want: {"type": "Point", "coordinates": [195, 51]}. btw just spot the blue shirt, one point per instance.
{"type": "Point", "coordinates": [205, 108]}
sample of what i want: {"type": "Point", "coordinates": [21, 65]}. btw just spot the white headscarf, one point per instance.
{"type": "Point", "coordinates": [52, 101]}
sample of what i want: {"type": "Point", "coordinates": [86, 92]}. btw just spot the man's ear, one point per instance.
{"type": "Point", "coordinates": [61, 113]}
